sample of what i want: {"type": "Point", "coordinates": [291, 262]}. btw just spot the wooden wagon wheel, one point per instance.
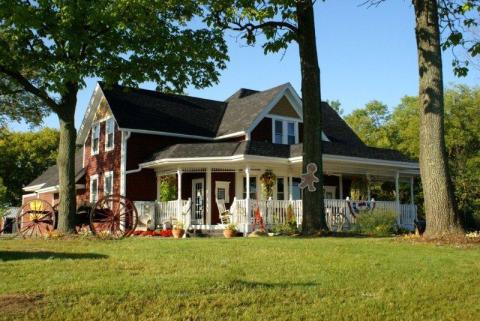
{"type": "Point", "coordinates": [35, 218]}
{"type": "Point", "coordinates": [113, 215]}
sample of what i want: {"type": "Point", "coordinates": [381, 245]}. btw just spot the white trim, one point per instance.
{"type": "Point", "coordinates": [28, 195]}
{"type": "Point", "coordinates": [360, 160]}
{"type": "Point", "coordinates": [284, 118]}
{"type": "Point", "coordinates": [92, 151]}
{"type": "Point", "coordinates": [54, 189]}
{"type": "Point", "coordinates": [236, 134]}
{"type": "Point", "coordinates": [208, 195]}
{"type": "Point", "coordinates": [33, 187]}
{"type": "Point", "coordinates": [112, 120]}
{"type": "Point", "coordinates": [92, 178]}
{"type": "Point", "coordinates": [107, 174]}
{"type": "Point", "coordinates": [92, 107]}
{"type": "Point", "coordinates": [123, 163]}
{"type": "Point", "coordinates": [226, 186]}
{"type": "Point", "coordinates": [169, 134]}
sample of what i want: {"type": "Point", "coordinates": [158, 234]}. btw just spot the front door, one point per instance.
{"type": "Point", "coordinates": [198, 203]}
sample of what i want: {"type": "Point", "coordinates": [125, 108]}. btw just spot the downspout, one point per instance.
{"type": "Point", "coordinates": [123, 162]}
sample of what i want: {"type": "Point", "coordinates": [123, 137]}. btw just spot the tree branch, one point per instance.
{"type": "Point", "coordinates": [28, 86]}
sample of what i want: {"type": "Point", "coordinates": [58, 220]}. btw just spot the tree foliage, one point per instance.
{"type": "Point", "coordinates": [462, 136]}
{"type": "Point", "coordinates": [48, 48]}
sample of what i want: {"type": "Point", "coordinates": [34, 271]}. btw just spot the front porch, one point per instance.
{"type": "Point", "coordinates": [273, 212]}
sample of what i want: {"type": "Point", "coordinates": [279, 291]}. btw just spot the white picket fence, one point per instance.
{"type": "Point", "coordinates": [153, 214]}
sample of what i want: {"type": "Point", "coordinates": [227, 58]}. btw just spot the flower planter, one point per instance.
{"type": "Point", "coordinates": [178, 233]}
{"type": "Point", "coordinates": [228, 233]}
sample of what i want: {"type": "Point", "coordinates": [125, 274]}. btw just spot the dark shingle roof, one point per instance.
{"type": "Point", "coordinates": [156, 111]}
{"type": "Point", "coordinates": [257, 148]}
{"type": "Point", "coordinates": [243, 109]}
{"type": "Point", "coordinates": [50, 176]}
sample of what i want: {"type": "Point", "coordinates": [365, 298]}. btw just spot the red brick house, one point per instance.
{"type": "Point", "coordinates": [129, 138]}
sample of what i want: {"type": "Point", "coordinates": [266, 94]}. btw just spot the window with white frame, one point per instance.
{"type": "Point", "coordinates": [284, 131]}
{"type": "Point", "coordinates": [93, 188]}
{"type": "Point", "coordinates": [278, 132]}
{"type": "Point", "coordinates": [253, 188]}
{"type": "Point", "coordinates": [222, 191]}
{"type": "Point", "coordinates": [109, 134]}
{"type": "Point", "coordinates": [95, 138]}
{"type": "Point", "coordinates": [108, 184]}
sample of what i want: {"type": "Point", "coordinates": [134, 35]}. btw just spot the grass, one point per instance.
{"type": "Point", "coordinates": [237, 279]}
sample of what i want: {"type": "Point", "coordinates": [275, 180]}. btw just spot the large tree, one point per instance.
{"type": "Point", "coordinates": [281, 22]}
{"type": "Point", "coordinates": [48, 48]}
{"type": "Point", "coordinates": [23, 157]}
{"type": "Point", "coordinates": [440, 207]}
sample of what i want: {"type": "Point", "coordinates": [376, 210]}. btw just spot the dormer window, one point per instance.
{"type": "Point", "coordinates": [109, 134]}
{"type": "Point", "coordinates": [284, 131]}
{"type": "Point", "coordinates": [95, 138]}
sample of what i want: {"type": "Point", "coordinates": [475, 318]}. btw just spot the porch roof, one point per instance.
{"type": "Point", "coordinates": [266, 149]}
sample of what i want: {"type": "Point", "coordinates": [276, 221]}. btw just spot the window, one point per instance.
{"type": "Point", "coordinates": [329, 192]}
{"type": "Point", "coordinates": [222, 191]}
{"type": "Point", "coordinates": [278, 138]}
{"type": "Point", "coordinates": [108, 184]}
{"type": "Point", "coordinates": [291, 133]}
{"type": "Point", "coordinates": [280, 188]}
{"type": "Point", "coordinates": [296, 191]}
{"type": "Point", "coordinates": [95, 138]}
{"type": "Point", "coordinates": [93, 188]}
{"type": "Point", "coordinates": [284, 132]}
{"type": "Point", "coordinates": [109, 134]}
{"type": "Point", "coordinates": [253, 188]}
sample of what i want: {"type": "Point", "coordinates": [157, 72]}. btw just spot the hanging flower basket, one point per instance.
{"type": "Point", "coordinates": [268, 180]}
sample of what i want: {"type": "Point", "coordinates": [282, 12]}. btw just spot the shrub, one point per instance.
{"type": "Point", "coordinates": [377, 223]}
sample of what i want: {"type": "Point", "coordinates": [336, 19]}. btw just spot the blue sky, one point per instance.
{"type": "Point", "coordinates": [364, 54]}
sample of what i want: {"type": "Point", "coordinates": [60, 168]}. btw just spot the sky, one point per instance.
{"type": "Point", "coordinates": [364, 54]}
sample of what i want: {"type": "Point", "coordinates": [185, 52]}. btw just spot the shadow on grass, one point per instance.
{"type": "Point", "coordinates": [270, 285]}
{"type": "Point", "coordinates": [45, 255]}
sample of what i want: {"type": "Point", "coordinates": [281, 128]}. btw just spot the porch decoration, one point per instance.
{"type": "Point", "coordinates": [258, 220]}
{"type": "Point", "coordinates": [230, 231]}
{"type": "Point", "coordinates": [362, 206]}
{"type": "Point", "coordinates": [268, 180]}
{"type": "Point", "coordinates": [358, 189]}
{"type": "Point", "coordinates": [167, 188]}
{"type": "Point", "coordinates": [309, 179]}
{"type": "Point", "coordinates": [178, 231]}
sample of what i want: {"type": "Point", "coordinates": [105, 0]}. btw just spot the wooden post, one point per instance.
{"type": "Point", "coordinates": [208, 201]}
{"type": "Point", "coordinates": [179, 193]}
{"type": "Point", "coordinates": [290, 188]}
{"type": "Point", "coordinates": [247, 198]}
{"type": "Point", "coordinates": [340, 186]}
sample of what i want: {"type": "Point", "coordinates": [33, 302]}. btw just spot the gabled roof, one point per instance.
{"type": "Point", "coordinates": [243, 109]}
{"type": "Point", "coordinates": [49, 178]}
{"type": "Point", "coordinates": [155, 111]}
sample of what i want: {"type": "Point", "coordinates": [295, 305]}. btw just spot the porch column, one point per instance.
{"type": "Point", "coordinates": [247, 198]}
{"type": "Point", "coordinates": [368, 187]}
{"type": "Point", "coordinates": [397, 188]}
{"type": "Point", "coordinates": [179, 193]}
{"type": "Point", "coordinates": [340, 186]}
{"type": "Point", "coordinates": [290, 188]}
{"type": "Point", "coordinates": [412, 200]}
{"type": "Point", "coordinates": [208, 194]}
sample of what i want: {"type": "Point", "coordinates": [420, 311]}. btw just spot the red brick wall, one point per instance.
{"type": "Point", "coordinates": [102, 162]}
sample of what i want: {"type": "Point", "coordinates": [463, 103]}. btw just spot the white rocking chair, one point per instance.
{"type": "Point", "coordinates": [225, 215]}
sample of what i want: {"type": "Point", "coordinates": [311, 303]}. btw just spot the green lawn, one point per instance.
{"type": "Point", "coordinates": [237, 279]}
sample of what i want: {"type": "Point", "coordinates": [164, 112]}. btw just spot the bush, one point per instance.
{"type": "Point", "coordinates": [377, 223]}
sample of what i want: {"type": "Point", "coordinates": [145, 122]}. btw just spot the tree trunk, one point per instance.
{"type": "Point", "coordinates": [440, 208]}
{"type": "Point", "coordinates": [66, 163]}
{"type": "Point", "coordinates": [313, 207]}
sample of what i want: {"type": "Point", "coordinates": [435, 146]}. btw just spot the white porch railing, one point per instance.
{"type": "Point", "coordinates": [338, 214]}
{"type": "Point", "coordinates": [273, 212]}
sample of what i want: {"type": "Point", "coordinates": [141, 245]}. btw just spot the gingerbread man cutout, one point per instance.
{"type": "Point", "coordinates": [309, 179]}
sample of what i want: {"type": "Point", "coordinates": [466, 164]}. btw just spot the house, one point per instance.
{"type": "Point", "coordinates": [216, 151]}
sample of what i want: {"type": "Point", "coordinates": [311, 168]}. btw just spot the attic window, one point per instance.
{"type": "Point", "coordinates": [109, 134]}
{"type": "Point", "coordinates": [284, 131]}
{"type": "Point", "coordinates": [95, 138]}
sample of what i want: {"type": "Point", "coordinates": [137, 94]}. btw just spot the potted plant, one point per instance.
{"type": "Point", "coordinates": [178, 230]}
{"type": "Point", "coordinates": [230, 231]}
